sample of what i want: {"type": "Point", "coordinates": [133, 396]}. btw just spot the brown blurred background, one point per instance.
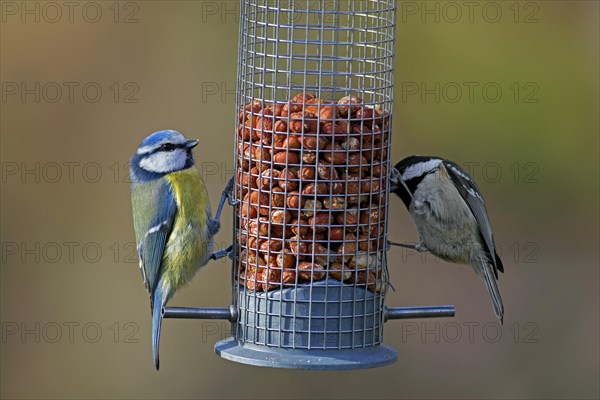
{"type": "Point", "coordinates": [82, 86]}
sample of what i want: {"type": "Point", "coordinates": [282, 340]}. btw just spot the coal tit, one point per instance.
{"type": "Point", "coordinates": [448, 210]}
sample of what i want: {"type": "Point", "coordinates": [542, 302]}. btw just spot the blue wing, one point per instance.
{"type": "Point", "coordinates": [470, 192]}
{"type": "Point", "coordinates": [154, 211]}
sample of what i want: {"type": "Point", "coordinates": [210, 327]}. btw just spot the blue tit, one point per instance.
{"type": "Point", "coordinates": [448, 209]}
{"type": "Point", "coordinates": [174, 227]}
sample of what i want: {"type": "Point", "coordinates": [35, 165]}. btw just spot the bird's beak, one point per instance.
{"type": "Point", "coordinates": [190, 144]}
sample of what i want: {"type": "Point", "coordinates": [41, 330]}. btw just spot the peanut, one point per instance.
{"type": "Point", "coordinates": [294, 201]}
{"type": "Point", "coordinates": [260, 200]}
{"type": "Point", "coordinates": [307, 172]}
{"type": "Point", "coordinates": [277, 197]}
{"type": "Point", "coordinates": [336, 233]}
{"type": "Point", "coordinates": [310, 207]}
{"type": "Point", "coordinates": [299, 227]}
{"type": "Point", "coordinates": [272, 277]}
{"type": "Point", "coordinates": [328, 112]}
{"type": "Point", "coordinates": [309, 157]}
{"type": "Point", "coordinates": [280, 216]}
{"type": "Point", "coordinates": [303, 122]}
{"type": "Point", "coordinates": [312, 189]}
{"type": "Point", "coordinates": [372, 283]}
{"type": "Point", "coordinates": [340, 272]}
{"type": "Point", "coordinates": [349, 219]}
{"type": "Point", "coordinates": [334, 203]}
{"type": "Point", "coordinates": [334, 154]}
{"type": "Point", "coordinates": [286, 158]}
{"type": "Point", "coordinates": [320, 222]}
{"type": "Point", "coordinates": [288, 180]}
{"type": "Point", "coordinates": [348, 248]}
{"type": "Point", "coordinates": [314, 142]}
{"type": "Point", "coordinates": [267, 178]}
{"type": "Point", "coordinates": [310, 272]}
{"type": "Point", "coordinates": [288, 277]}
{"type": "Point", "coordinates": [298, 246]}
{"type": "Point", "coordinates": [286, 260]}
{"type": "Point", "coordinates": [349, 104]}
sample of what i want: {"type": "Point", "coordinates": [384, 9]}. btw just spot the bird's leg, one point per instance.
{"type": "Point", "coordinates": [395, 179]}
{"type": "Point", "coordinates": [217, 255]}
{"type": "Point", "coordinates": [214, 223]}
{"type": "Point", "coordinates": [420, 247]}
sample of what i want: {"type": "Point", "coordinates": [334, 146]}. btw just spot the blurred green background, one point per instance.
{"type": "Point", "coordinates": [75, 320]}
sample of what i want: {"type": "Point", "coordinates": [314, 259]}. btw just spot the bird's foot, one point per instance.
{"type": "Point", "coordinates": [230, 200]}
{"type": "Point", "coordinates": [213, 226]}
{"type": "Point", "coordinates": [228, 191]}
{"type": "Point", "coordinates": [395, 179]}
{"type": "Point", "coordinates": [231, 253]}
{"type": "Point", "coordinates": [421, 248]}
{"type": "Point", "coordinates": [222, 253]}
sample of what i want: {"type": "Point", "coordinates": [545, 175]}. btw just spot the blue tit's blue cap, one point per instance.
{"type": "Point", "coordinates": [166, 135]}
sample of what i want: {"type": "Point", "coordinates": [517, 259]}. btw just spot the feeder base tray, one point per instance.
{"type": "Point", "coordinates": [262, 356]}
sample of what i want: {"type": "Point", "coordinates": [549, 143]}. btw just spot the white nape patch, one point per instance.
{"type": "Point", "coordinates": [420, 169]}
{"type": "Point", "coordinates": [164, 161]}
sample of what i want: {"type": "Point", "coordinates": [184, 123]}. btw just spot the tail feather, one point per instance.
{"type": "Point", "coordinates": [156, 324]}
{"type": "Point", "coordinates": [487, 273]}
{"type": "Point", "coordinates": [499, 263]}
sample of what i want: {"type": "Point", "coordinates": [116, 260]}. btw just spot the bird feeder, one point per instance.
{"type": "Point", "coordinates": [313, 135]}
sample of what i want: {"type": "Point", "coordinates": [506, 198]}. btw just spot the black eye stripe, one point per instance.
{"type": "Point", "coordinates": [168, 147]}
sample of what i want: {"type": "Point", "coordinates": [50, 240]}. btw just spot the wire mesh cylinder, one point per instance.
{"type": "Point", "coordinates": [314, 97]}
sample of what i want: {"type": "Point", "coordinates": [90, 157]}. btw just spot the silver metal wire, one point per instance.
{"type": "Point", "coordinates": [313, 134]}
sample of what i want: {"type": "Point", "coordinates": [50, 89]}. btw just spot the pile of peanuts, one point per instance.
{"type": "Point", "coordinates": [311, 176]}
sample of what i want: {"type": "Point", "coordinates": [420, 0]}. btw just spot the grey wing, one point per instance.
{"type": "Point", "coordinates": [151, 244]}
{"type": "Point", "coordinates": [470, 192]}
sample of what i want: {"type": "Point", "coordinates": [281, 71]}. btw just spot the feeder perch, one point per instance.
{"type": "Point", "coordinates": [313, 134]}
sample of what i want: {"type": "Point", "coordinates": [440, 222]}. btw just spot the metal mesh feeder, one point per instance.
{"type": "Point", "coordinates": [314, 100]}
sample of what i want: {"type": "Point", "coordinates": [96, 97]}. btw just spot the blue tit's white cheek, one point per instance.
{"type": "Point", "coordinates": [164, 161]}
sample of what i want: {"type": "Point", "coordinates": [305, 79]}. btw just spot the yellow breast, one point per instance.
{"type": "Point", "coordinates": [189, 244]}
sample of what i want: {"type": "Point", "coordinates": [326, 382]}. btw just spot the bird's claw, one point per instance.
{"type": "Point", "coordinates": [224, 252]}
{"type": "Point", "coordinates": [421, 248]}
{"type": "Point", "coordinates": [229, 187]}
{"type": "Point", "coordinates": [231, 201]}
{"type": "Point", "coordinates": [395, 176]}
{"type": "Point", "coordinates": [228, 192]}
{"type": "Point", "coordinates": [395, 179]}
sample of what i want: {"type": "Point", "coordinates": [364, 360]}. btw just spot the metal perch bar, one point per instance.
{"type": "Point", "coordinates": [418, 312]}
{"type": "Point", "coordinates": [228, 313]}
